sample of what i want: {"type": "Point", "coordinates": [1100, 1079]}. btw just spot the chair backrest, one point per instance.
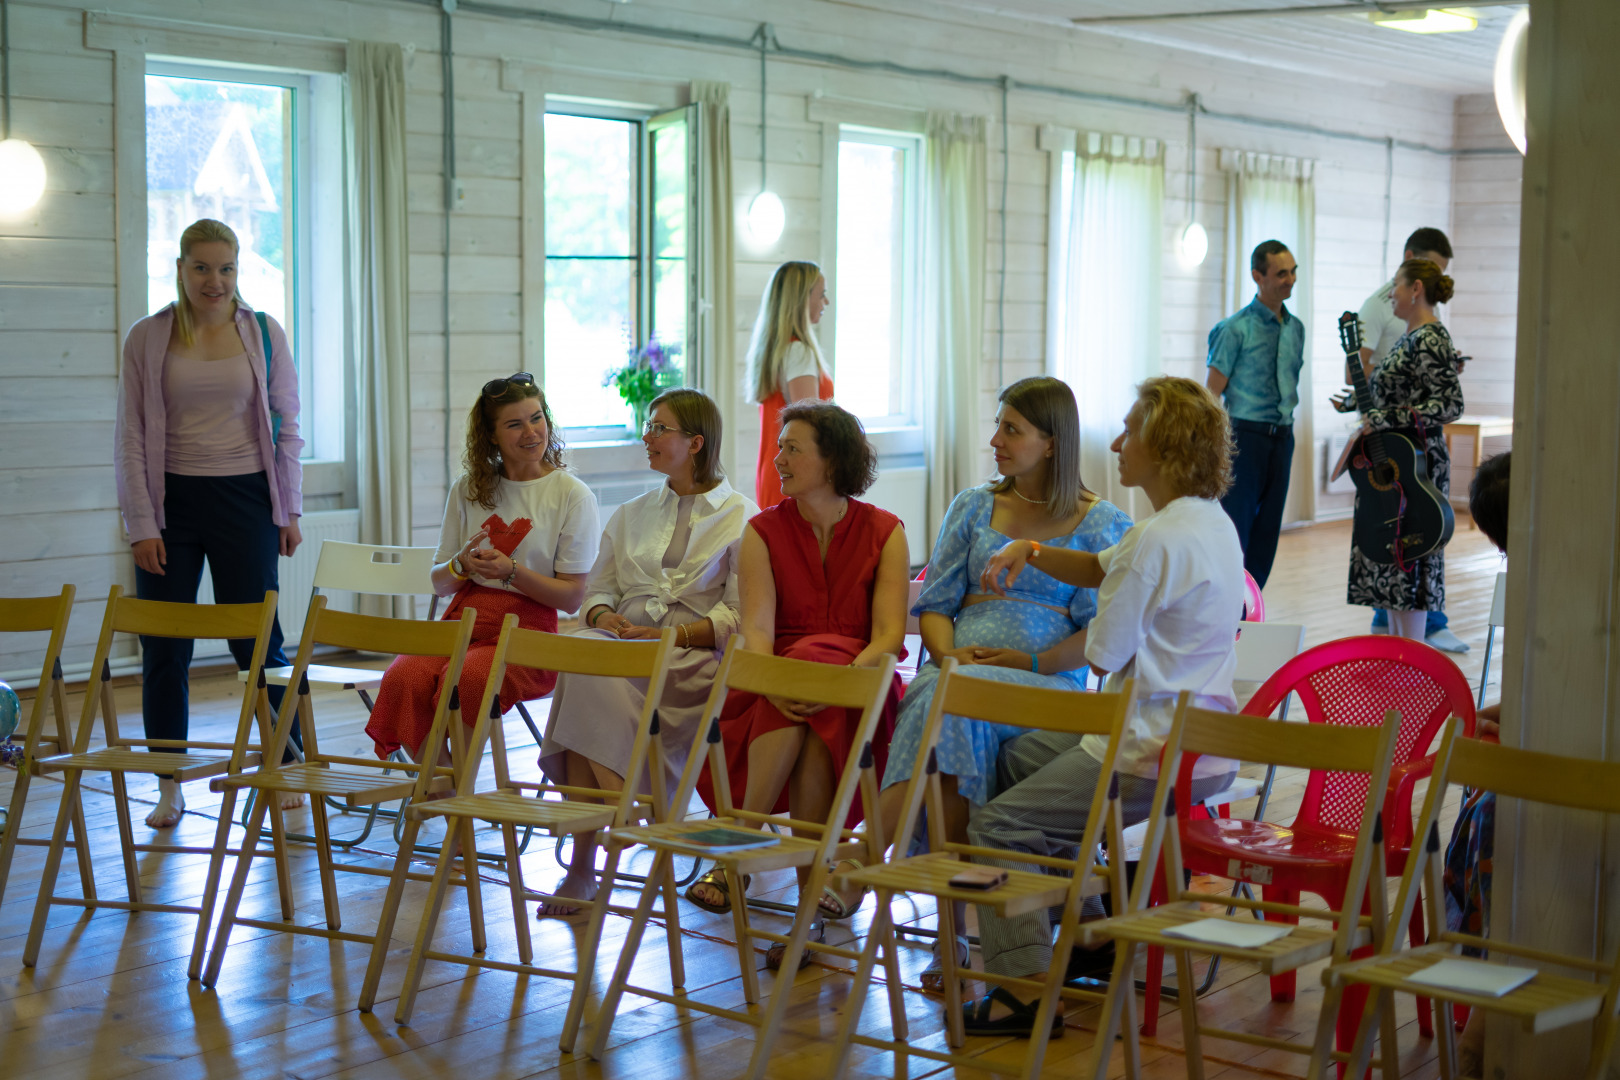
{"type": "Point", "coordinates": [1499, 601]}
{"type": "Point", "coordinates": [34, 614]}
{"type": "Point", "coordinates": [1354, 682]}
{"type": "Point", "coordinates": [1254, 604]}
{"type": "Point", "coordinates": [581, 655]}
{"type": "Point", "coordinates": [375, 568]}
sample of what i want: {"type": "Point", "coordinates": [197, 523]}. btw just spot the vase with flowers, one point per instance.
{"type": "Point", "coordinates": [647, 372]}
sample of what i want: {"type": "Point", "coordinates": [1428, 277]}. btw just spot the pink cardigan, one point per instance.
{"type": "Point", "coordinates": [141, 441]}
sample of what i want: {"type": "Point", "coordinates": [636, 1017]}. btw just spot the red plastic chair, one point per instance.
{"type": "Point", "coordinates": [1350, 681]}
{"type": "Point", "coordinates": [1254, 605]}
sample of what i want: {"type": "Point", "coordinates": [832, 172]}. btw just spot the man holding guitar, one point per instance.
{"type": "Point", "coordinates": [1255, 358]}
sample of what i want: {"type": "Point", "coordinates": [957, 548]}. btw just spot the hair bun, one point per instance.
{"type": "Point", "coordinates": [1442, 290]}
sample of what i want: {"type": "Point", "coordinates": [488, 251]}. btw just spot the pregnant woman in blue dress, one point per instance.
{"type": "Point", "coordinates": [1034, 636]}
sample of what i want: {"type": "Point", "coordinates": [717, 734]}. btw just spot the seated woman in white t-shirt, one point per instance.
{"type": "Point", "coordinates": [1169, 596]}
{"type": "Point", "coordinates": [519, 536]}
{"type": "Point", "coordinates": [784, 362]}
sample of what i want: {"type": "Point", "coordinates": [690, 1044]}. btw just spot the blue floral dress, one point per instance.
{"type": "Point", "coordinates": [968, 748]}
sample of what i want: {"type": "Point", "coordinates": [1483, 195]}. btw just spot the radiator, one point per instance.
{"type": "Point", "coordinates": [297, 578]}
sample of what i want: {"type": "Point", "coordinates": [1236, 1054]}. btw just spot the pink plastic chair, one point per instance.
{"type": "Point", "coordinates": [1254, 605]}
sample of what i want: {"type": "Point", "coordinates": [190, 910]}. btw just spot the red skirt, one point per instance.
{"type": "Point", "coordinates": [409, 695]}
{"type": "Point", "coordinates": [745, 717]}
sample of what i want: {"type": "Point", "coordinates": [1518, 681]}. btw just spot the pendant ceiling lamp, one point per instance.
{"type": "Point", "coordinates": [1193, 244]}
{"type": "Point", "coordinates": [766, 215]}
{"type": "Point", "coordinates": [1511, 57]}
{"type": "Point", "coordinates": [22, 170]}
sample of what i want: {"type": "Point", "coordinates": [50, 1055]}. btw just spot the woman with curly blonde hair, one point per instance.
{"type": "Point", "coordinates": [519, 536]}
{"type": "Point", "coordinates": [1169, 596]}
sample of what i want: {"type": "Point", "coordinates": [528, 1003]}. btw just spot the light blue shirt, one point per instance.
{"type": "Point", "coordinates": [1261, 359]}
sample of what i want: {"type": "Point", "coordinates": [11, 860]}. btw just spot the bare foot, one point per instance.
{"type": "Point", "coordinates": [573, 887]}
{"type": "Point", "coordinates": [292, 800]}
{"type": "Point", "coordinates": [171, 804]}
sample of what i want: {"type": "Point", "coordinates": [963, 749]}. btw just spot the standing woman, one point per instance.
{"type": "Point", "coordinates": [1416, 385]}
{"type": "Point", "coordinates": [518, 537]}
{"type": "Point", "coordinates": [784, 361]}
{"type": "Point", "coordinates": [202, 471]}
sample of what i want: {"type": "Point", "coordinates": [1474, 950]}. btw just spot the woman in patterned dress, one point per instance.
{"type": "Point", "coordinates": [1415, 386]}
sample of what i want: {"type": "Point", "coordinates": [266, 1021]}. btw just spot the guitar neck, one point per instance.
{"type": "Point", "coordinates": [1364, 402]}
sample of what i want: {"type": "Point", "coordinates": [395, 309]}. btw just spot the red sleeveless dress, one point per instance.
{"type": "Point", "coordinates": [767, 484]}
{"type": "Point", "coordinates": [824, 614]}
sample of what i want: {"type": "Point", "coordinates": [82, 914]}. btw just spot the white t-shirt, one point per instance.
{"type": "Point", "coordinates": [547, 525]}
{"type": "Point", "coordinates": [1380, 329]}
{"type": "Point", "coordinates": [798, 362]}
{"type": "Point", "coordinates": [1167, 616]}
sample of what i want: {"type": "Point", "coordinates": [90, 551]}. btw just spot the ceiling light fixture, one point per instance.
{"type": "Point", "coordinates": [1511, 58]}
{"type": "Point", "coordinates": [22, 170]}
{"type": "Point", "coordinates": [1193, 244]}
{"type": "Point", "coordinates": [1430, 21]}
{"type": "Point", "coordinates": [766, 215]}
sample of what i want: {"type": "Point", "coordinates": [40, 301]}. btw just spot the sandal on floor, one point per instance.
{"type": "Point", "coordinates": [716, 880]}
{"type": "Point", "coordinates": [1020, 1022]}
{"type": "Point", "coordinates": [831, 905]}
{"type": "Point", "coordinates": [933, 976]}
{"type": "Point", "coordinates": [778, 952]}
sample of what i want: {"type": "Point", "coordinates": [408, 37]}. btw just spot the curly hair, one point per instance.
{"type": "Point", "coordinates": [1048, 403]}
{"type": "Point", "coordinates": [1189, 433]}
{"type": "Point", "coordinates": [482, 457]}
{"type": "Point", "coordinates": [851, 461]}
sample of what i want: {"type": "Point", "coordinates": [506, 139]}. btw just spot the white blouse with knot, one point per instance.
{"type": "Point", "coordinates": [629, 563]}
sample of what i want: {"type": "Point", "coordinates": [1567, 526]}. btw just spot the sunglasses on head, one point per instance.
{"type": "Point", "coordinates": [497, 387]}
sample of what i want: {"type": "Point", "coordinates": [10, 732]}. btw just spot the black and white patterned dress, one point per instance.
{"type": "Point", "coordinates": [1415, 386]}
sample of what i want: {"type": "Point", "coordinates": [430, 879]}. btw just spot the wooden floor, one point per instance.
{"type": "Point", "coordinates": [110, 997]}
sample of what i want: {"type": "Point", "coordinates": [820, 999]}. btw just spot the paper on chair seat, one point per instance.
{"type": "Point", "coordinates": [1239, 935]}
{"type": "Point", "coordinates": [1474, 977]}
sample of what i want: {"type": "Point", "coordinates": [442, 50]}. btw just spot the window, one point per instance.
{"type": "Point", "coordinates": [874, 281]}
{"type": "Point", "coordinates": [619, 192]}
{"type": "Point", "coordinates": [245, 147]}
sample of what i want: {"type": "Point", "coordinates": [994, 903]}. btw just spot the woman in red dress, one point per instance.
{"type": "Point", "coordinates": [784, 362]}
{"type": "Point", "coordinates": [824, 578]}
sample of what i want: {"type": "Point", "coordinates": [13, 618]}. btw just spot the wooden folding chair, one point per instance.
{"type": "Point", "coordinates": [1550, 1000]}
{"type": "Point", "coordinates": [960, 694]}
{"type": "Point", "coordinates": [1248, 739]}
{"type": "Point", "coordinates": [818, 845]}
{"type": "Point", "coordinates": [195, 760]}
{"type": "Point", "coordinates": [35, 615]}
{"type": "Point", "coordinates": [354, 781]}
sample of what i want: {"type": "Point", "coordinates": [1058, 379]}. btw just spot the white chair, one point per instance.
{"type": "Point", "coordinates": [1498, 619]}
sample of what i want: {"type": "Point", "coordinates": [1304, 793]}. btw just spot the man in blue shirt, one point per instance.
{"type": "Point", "coordinates": [1254, 362]}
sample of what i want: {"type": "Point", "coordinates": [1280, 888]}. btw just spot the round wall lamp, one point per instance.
{"type": "Point", "coordinates": [22, 170]}
{"type": "Point", "coordinates": [1193, 244]}
{"type": "Point", "coordinates": [766, 218]}
{"type": "Point", "coordinates": [1512, 57]}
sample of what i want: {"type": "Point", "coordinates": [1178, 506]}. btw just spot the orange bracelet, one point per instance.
{"type": "Point", "coordinates": [1035, 550]}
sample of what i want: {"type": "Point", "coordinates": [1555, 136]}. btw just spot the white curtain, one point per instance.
{"type": "Point", "coordinates": [379, 299]}
{"type": "Point", "coordinates": [717, 331]}
{"type": "Point", "coordinates": [953, 262]}
{"type": "Point", "coordinates": [1274, 198]}
{"type": "Point", "coordinates": [1111, 230]}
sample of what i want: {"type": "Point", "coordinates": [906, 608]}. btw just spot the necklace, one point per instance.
{"type": "Point", "coordinates": [1026, 498]}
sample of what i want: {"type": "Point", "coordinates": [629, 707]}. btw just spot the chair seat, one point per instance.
{"type": "Point", "coordinates": [1302, 945]}
{"type": "Point", "coordinates": [357, 787]}
{"type": "Point", "coordinates": [324, 677]}
{"type": "Point", "coordinates": [126, 759]}
{"type": "Point", "coordinates": [1545, 1003]}
{"type": "Point", "coordinates": [787, 851]}
{"type": "Point", "coordinates": [931, 874]}
{"type": "Point", "coordinates": [511, 807]}
{"type": "Point", "coordinates": [1237, 849]}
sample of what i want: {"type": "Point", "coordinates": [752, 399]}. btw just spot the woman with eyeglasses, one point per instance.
{"type": "Point", "coordinates": [784, 361]}
{"type": "Point", "coordinates": [518, 537]}
{"type": "Point", "coordinates": [207, 466]}
{"type": "Point", "coordinates": [668, 559]}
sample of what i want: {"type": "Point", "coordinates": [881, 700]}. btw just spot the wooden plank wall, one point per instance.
{"type": "Point", "coordinates": [57, 267]}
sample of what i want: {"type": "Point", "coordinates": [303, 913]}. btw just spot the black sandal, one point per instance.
{"type": "Point", "coordinates": [778, 952]}
{"type": "Point", "coordinates": [716, 880]}
{"type": "Point", "coordinates": [1020, 1022]}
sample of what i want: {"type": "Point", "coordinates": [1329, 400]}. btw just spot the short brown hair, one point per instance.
{"type": "Point", "coordinates": [1189, 433]}
{"type": "Point", "coordinates": [697, 414]}
{"type": "Point", "coordinates": [851, 461]}
{"type": "Point", "coordinates": [1437, 287]}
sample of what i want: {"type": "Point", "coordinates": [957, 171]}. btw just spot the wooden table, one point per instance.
{"type": "Point", "coordinates": [1479, 428]}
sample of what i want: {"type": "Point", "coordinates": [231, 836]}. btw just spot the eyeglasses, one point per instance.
{"type": "Point", "coordinates": [658, 431]}
{"type": "Point", "coordinates": [497, 387]}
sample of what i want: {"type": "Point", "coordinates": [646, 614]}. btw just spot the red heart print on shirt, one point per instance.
{"type": "Point", "coordinates": [505, 538]}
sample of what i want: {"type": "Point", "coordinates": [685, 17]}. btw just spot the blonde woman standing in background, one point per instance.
{"type": "Point", "coordinates": [784, 361]}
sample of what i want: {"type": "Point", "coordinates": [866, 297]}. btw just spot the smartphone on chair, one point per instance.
{"type": "Point", "coordinates": [979, 877]}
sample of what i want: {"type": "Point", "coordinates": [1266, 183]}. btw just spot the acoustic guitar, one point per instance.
{"type": "Point", "coordinates": [1400, 514]}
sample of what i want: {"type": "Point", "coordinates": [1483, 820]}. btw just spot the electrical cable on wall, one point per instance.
{"type": "Point", "coordinates": [448, 71]}
{"type": "Point", "coordinates": [1001, 301]}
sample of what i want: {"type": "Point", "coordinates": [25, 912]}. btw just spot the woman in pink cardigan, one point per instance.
{"type": "Point", "coordinates": [207, 461]}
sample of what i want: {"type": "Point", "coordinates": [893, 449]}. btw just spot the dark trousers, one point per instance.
{"type": "Point", "coordinates": [225, 519]}
{"type": "Point", "coordinates": [1260, 470]}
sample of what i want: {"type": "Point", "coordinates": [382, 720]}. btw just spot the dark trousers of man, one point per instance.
{"type": "Point", "coordinates": [225, 519]}
{"type": "Point", "coordinates": [1259, 489]}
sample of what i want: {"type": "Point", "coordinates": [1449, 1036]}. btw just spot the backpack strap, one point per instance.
{"type": "Point", "coordinates": [264, 334]}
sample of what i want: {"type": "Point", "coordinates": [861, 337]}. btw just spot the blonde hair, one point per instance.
{"type": "Point", "coordinates": [201, 231]}
{"type": "Point", "coordinates": [1048, 403]}
{"type": "Point", "coordinates": [784, 317]}
{"type": "Point", "coordinates": [1188, 431]}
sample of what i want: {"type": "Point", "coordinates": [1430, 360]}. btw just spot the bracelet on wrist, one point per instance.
{"type": "Point", "coordinates": [456, 570]}
{"type": "Point", "coordinates": [684, 636]}
{"type": "Point", "coordinates": [510, 577]}
{"type": "Point", "coordinates": [1034, 550]}
{"type": "Point", "coordinates": [1035, 663]}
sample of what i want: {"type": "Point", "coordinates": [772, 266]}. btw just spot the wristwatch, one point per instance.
{"type": "Point", "coordinates": [455, 569]}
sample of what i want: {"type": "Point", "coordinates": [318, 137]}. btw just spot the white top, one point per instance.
{"type": "Point", "coordinates": [548, 525]}
{"type": "Point", "coordinates": [1167, 616]}
{"type": "Point", "coordinates": [1380, 329]}
{"type": "Point", "coordinates": [630, 564]}
{"type": "Point", "coordinates": [798, 362]}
